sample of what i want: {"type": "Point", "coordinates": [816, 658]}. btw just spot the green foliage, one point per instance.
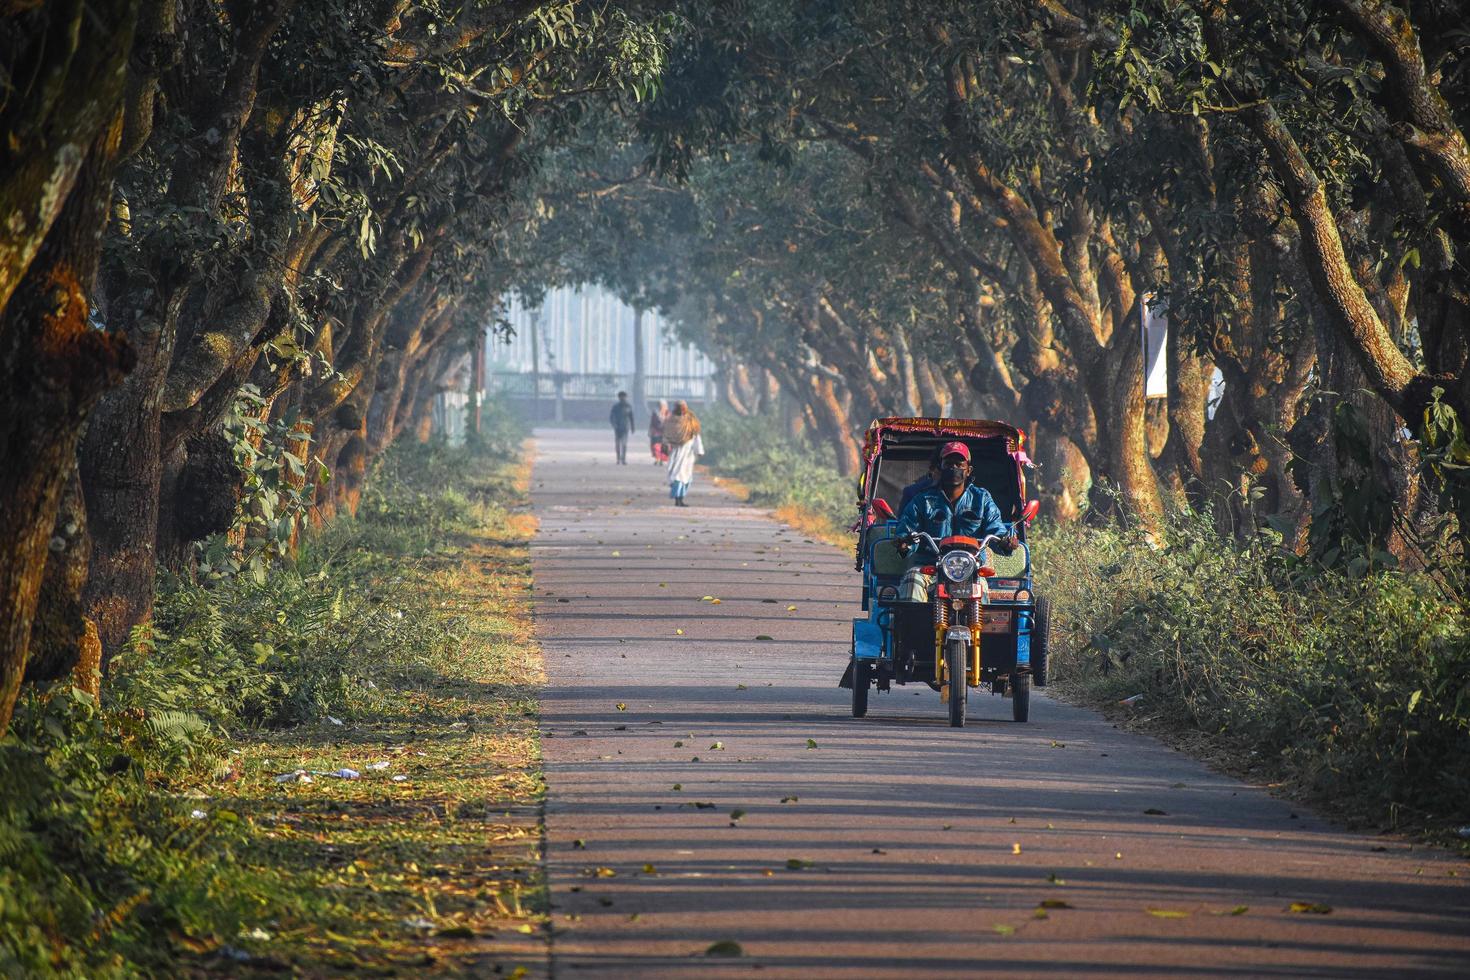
{"type": "Point", "coordinates": [109, 858]}
{"type": "Point", "coordinates": [1354, 514]}
{"type": "Point", "coordinates": [1445, 450]}
{"type": "Point", "coordinates": [278, 487]}
{"type": "Point", "coordinates": [1352, 688]}
{"type": "Point", "coordinates": [758, 453]}
{"type": "Point", "coordinates": [97, 866]}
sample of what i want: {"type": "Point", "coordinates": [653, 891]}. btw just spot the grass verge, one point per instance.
{"type": "Point", "coordinates": [756, 460]}
{"type": "Point", "coordinates": [206, 819]}
{"type": "Point", "coordinates": [1353, 693]}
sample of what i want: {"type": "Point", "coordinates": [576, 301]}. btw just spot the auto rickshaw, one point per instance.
{"type": "Point", "coordinates": [983, 625]}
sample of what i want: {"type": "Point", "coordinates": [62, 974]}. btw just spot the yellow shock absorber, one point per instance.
{"type": "Point", "coordinates": [941, 623]}
{"type": "Point", "coordinates": [977, 623]}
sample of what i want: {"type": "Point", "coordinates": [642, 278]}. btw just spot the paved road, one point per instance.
{"type": "Point", "coordinates": [914, 848]}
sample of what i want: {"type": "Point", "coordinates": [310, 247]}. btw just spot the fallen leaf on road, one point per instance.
{"type": "Point", "coordinates": [715, 602]}
{"type": "Point", "coordinates": [789, 799]}
{"type": "Point", "coordinates": [1054, 903]}
{"type": "Point", "coordinates": [704, 806]}
{"type": "Point", "coordinates": [622, 706]}
{"type": "Point", "coordinates": [679, 744]}
{"type": "Point", "coordinates": [1154, 812]}
{"type": "Point", "coordinates": [1015, 848]}
{"type": "Point", "coordinates": [1167, 913]}
{"type": "Point", "coordinates": [763, 636]}
{"type": "Point", "coordinates": [599, 872]}
{"type": "Point", "coordinates": [1040, 914]}
{"type": "Point", "coordinates": [725, 947]}
{"type": "Point", "coordinates": [678, 632]}
{"type": "Point", "coordinates": [649, 869]}
{"type": "Point", "coordinates": [879, 850]}
{"type": "Point", "coordinates": [740, 687]}
{"type": "Point", "coordinates": [791, 609]}
{"type": "Point", "coordinates": [706, 598]}
{"type": "Point", "coordinates": [1003, 929]}
{"type": "Point", "coordinates": [579, 844]}
{"type": "Point", "coordinates": [1052, 877]}
{"type": "Point", "coordinates": [796, 864]}
{"type": "Point", "coordinates": [718, 745]}
{"type": "Point", "coordinates": [1238, 910]}
{"type": "Point", "coordinates": [811, 743]}
{"type": "Point", "coordinates": [1309, 908]}
{"type": "Point", "coordinates": [617, 554]}
{"type": "Point", "coordinates": [678, 787]}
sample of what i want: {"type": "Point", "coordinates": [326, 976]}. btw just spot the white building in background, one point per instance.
{"type": "Point", "coordinates": [581, 342]}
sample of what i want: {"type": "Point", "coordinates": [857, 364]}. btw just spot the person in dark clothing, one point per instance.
{"type": "Point", "coordinates": [953, 506]}
{"type": "Point", "coordinates": [930, 479]}
{"type": "Point", "coordinates": [621, 418]}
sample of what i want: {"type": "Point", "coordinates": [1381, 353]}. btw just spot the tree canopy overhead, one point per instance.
{"type": "Point", "coordinates": [245, 244]}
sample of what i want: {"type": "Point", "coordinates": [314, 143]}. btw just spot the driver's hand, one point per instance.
{"type": "Point", "coordinates": [1008, 545]}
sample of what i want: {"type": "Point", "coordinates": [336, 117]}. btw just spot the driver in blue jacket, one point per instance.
{"type": "Point", "coordinates": [954, 506]}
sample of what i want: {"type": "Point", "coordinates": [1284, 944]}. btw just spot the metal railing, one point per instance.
{"type": "Point", "coordinates": [599, 387]}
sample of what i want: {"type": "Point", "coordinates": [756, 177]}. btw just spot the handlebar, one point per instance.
{"type": "Point", "coordinates": [920, 537]}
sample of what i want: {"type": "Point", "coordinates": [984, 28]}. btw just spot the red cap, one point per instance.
{"type": "Point", "coordinates": [955, 449]}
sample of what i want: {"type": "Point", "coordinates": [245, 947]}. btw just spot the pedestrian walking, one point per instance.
{"type": "Point", "coordinates": [621, 418]}
{"type": "Point", "coordinates": [681, 432]}
{"type": "Point", "coordinates": [656, 420]}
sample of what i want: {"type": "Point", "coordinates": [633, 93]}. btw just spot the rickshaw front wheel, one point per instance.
{"type": "Point", "coordinates": [1020, 696]}
{"type": "Point", "coordinates": [955, 670]}
{"type": "Point", "coordinates": [862, 679]}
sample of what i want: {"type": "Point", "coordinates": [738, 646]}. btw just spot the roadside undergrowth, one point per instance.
{"type": "Point", "coordinates": [1352, 693]}
{"type": "Point", "coordinates": [757, 461]}
{"type": "Point", "coordinates": [334, 770]}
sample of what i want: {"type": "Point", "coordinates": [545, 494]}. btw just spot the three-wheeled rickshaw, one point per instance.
{"type": "Point", "coordinates": [983, 624]}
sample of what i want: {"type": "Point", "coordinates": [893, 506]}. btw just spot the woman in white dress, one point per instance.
{"type": "Point", "coordinates": [681, 432]}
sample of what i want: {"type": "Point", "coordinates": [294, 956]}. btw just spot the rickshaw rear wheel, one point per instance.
{"type": "Point", "coordinates": [862, 679]}
{"type": "Point", "coordinates": [956, 671]}
{"type": "Point", "coordinates": [1020, 696]}
{"type": "Point", "coordinates": [1040, 641]}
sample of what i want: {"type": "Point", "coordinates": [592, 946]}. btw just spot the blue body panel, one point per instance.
{"type": "Point", "coordinates": [867, 640]}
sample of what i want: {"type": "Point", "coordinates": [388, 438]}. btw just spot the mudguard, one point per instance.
{"type": "Point", "coordinates": [867, 640]}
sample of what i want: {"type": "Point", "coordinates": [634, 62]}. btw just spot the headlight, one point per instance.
{"type": "Point", "coordinates": [958, 566]}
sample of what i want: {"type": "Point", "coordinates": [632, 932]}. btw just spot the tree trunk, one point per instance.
{"type": "Point", "coordinates": [122, 467]}
{"type": "Point", "coordinates": [54, 366]}
{"type": "Point", "coordinates": [640, 368]}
